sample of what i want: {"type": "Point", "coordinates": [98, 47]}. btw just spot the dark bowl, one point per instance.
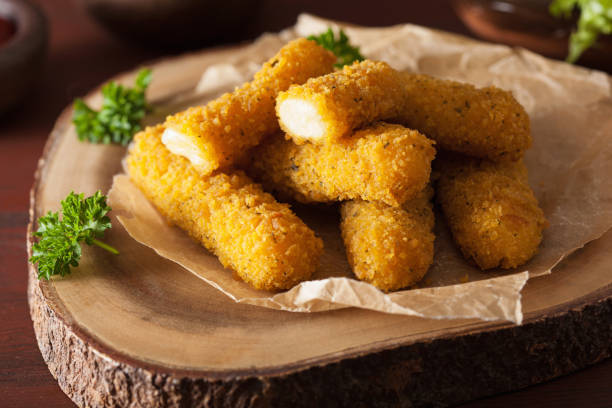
{"type": "Point", "coordinates": [528, 23]}
{"type": "Point", "coordinates": [180, 24]}
{"type": "Point", "coordinates": [22, 55]}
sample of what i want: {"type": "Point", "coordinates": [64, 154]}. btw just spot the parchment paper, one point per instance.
{"type": "Point", "coordinates": [570, 168]}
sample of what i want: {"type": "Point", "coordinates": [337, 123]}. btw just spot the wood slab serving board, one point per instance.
{"type": "Point", "coordinates": [138, 330]}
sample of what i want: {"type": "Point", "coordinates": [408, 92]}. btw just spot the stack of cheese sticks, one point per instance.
{"type": "Point", "coordinates": [364, 136]}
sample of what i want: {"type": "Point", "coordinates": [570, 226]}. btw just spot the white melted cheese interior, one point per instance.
{"type": "Point", "coordinates": [301, 119]}
{"type": "Point", "coordinates": [181, 144]}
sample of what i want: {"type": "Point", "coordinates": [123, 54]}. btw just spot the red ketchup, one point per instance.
{"type": "Point", "coordinates": [7, 29]}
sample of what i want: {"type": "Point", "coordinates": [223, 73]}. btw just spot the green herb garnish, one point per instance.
{"type": "Point", "coordinates": [119, 119]}
{"type": "Point", "coordinates": [595, 18]}
{"type": "Point", "coordinates": [59, 245]}
{"type": "Point", "coordinates": [340, 46]}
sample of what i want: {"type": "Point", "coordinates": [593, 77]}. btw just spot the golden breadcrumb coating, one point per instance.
{"type": "Point", "coordinates": [387, 163]}
{"type": "Point", "coordinates": [330, 107]}
{"type": "Point", "coordinates": [389, 247]}
{"type": "Point", "coordinates": [492, 212]}
{"type": "Point", "coordinates": [215, 135]}
{"type": "Point", "coordinates": [262, 240]}
{"type": "Point", "coordinates": [486, 122]}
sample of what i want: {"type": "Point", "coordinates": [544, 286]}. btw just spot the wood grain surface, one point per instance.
{"type": "Point", "coordinates": [82, 55]}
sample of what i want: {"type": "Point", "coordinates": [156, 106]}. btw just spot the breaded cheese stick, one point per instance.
{"type": "Point", "coordinates": [389, 247]}
{"type": "Point", "coordinates": [330, 107]}
{"type": "Point", "coordinates": [215, 135]}
{"type": "Point", "coordinates": [492, 212]}
{"type": "Point", "coordinates": [262, 240]}
{"type": "Point", "coordinates": [486, 122]}
{"type": "Point", "coordinates": [385, 162]}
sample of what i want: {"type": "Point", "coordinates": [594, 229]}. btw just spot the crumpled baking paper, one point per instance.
{"type": "Point", "coordinates": [570, 170]}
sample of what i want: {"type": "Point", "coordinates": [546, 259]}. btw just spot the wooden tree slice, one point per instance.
{"type": "Point", "coordinates": [138, 330]}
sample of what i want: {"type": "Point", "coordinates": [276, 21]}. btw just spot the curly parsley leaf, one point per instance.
{"type": "Point", "coordinates": [340, 46]}
{"type": "Point", "coordinates": [59, 248]}
{"type": "Point", "coordinates": [595, 19]}
{"type": "Point", "coordinates": [119, 119]}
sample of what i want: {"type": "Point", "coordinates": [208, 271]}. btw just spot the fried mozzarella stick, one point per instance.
{"type": "Point", "coordinates": [330, 107]}
{"type": "Point", "coordinates": [387, 163]}
{"type": "Point", "coordinates": [479, 122]}
{"type": "Point", "coordinates": [492, 212]}
{"type": "Point", "coordinates": [389, 247]}
{"type": "Point", "coordinates": [262, 240]}
{"type": "Point", "coordinates": [215, 135]}
{"type": "Point", "coordinates": [487, 122]}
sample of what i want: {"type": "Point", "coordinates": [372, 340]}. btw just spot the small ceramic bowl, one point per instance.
{"type": "Point", "coordinates": [22, 50]}
{"type": "Point", "coordinates": [177, 24]}
{"type": "Point", "coordinates": [528, 23]}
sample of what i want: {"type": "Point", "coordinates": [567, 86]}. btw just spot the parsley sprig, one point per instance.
{"type": "Point", "coordinates": [595, 18]}
{"type": "Point", "coordinates": [59, 248]}
{"type": "Point", "coordinates": [122, 110]}
{"type": "Point", "coordinates": [340, 46]}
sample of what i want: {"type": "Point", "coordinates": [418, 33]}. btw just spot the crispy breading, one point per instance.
{"type": "Point", "coordinates": [479, 122]}
{"type": "Point", "coordinates": [262, 240]}
{"type": "Point", "coordinates": [216, 135]}
{"type": "Point", "coordinates": [330, 107]}
{"type": "Point", "coordinates": [387, 163]}
{"type": "Point", "coordinates": [492, 212]}
{"type": "Point", "coordinates": [389, 247]}
{"type": "Point", "coordinates": [486, 122]}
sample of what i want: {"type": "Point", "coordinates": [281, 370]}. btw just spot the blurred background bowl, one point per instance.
{"type": "Point", "coordinates": [22, 51]}
{"type": "Point", "coordinates": [176, 24]}
{"type": "Point", "coordinates": [528, 23]}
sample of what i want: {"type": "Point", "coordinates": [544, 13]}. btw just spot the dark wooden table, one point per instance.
{"type": "Point", "coordinates": [81, 56]}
